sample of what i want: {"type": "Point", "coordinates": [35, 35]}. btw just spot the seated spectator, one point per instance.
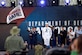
{"type": "Point", "coordinates": [58, 51]}
{"type": "Point", "coordinates": [74, 47]}
{"type": "Point", "coordinates": [38, 49]}
{"type": "Point", "coordinates": [77, 46]}
{"type": "Point", "coordinates": [14, 42]}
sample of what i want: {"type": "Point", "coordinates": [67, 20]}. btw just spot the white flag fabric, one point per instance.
{"type": "Point", "coordinates": [14, 14]}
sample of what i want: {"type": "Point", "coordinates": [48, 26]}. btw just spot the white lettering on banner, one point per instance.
{"type": "Point", "coordinates": [52, 23]}
{"type": "Point", "coordinates": [55, 23]}
{"type": "Point", "coordinates": [77, 22]}
{"type": "Point", "coordinates": [81, 22]}
{"type": "Point", "coordinates": [14, 14]}
{"type": "Point", "coordinates": [45, 21]}
{"type": "Point", "coordinates": [74, 22]}
{"type": "Point", "coordinates": [59, 23]}
{"type": "Point", "coordinates": [29, 23]}
{"type": "Point", "coordinates": [35, 23]}
{"type": "Point", "coordinates": [49, 22]}
{"type": "Point", "coordinates": [59, 29]}
{"type": "Point", "coordinates": [68, 22]}
{"type": "Point", "coordinates": [65, 23]}
{"type": "Point", "coordinates": [42, 23]}
{"type": "Point", "coordinates": [39, 23]}
{"type": "Point", "coordinates": [32, 23]}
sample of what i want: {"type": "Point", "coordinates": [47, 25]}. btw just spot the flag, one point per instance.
{"type": "Point", "coordinates": [14, 14]}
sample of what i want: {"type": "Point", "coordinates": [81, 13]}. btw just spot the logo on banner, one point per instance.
{"type": "Point", "coordinates": [14, 14]}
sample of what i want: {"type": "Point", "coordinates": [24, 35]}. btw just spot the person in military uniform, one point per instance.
{"type": "Point", "coordinates": [46, 35]}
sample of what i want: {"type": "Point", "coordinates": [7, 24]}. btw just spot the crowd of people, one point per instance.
{"type": "Point", "coordinates": [50, 39]}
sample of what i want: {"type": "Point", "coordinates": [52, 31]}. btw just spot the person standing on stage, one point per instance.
{"type": "Point", "coordinates": [63, 35]}
{"type": "Point", "coordinates": [32, 37]}
{"type": "Point", "coordinates": [54, 36]}
{"type": "Point", "coordinates": [71, 35]}
{"type": "Point", "coordinates": [46, 35]}
{"type": "Point", "coordinates": [78, 32]}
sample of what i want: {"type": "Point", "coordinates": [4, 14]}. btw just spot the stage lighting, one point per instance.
{"type": "Point", "coordinates": [30, 3]}
{"type": "Point", "coordinates": [67, 2]}
{"type": "Point", "coordinates": [42, 2]}
{"type": "Point", "coordinates": [21, 3]}
{"type": "Point", "coordinates": [53, 1]}
{"type": "Point", "coordinates": [3, 3]}
{"type": "Point", "coordinates": [12, 3]}
{"type": "Point", "coordinates": [79, 2]}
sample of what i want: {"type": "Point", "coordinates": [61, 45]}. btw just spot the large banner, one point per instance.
{"type": "Point", "coordinates": [67, 16]}
{"type": "Point", "coordinates": [58, 16]}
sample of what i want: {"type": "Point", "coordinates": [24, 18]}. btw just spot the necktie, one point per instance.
{"type": "Point", "coordinates": [46, 30]}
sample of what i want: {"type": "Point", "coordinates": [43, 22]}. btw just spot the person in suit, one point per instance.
{"type": "Point", "coordinates": [63, 35]}
{"type": "Point", "coordinates": [54, 36]}
{"type": "Point", "coordinates": [32, 37]}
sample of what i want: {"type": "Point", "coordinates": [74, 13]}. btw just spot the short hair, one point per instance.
{"type": "Point", "coordinates": [58, 51]}
{"type": "Point", "coordinates": [78, 26]}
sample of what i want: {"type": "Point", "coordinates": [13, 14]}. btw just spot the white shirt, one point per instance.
{"type": "Point", "coordinates": [46, 35]}
{"type": "Point", "coordinates": [46, 32]}
{"type": "Point", "coordinates": [78, 32]}
{"type": "Point", "coordinates": [71, 35]}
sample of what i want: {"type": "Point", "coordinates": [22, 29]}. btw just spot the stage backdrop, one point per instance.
{"type": "Point", "coordinates": [37, 16]}
{"type": "Point", "coordinates": [56, 16]}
